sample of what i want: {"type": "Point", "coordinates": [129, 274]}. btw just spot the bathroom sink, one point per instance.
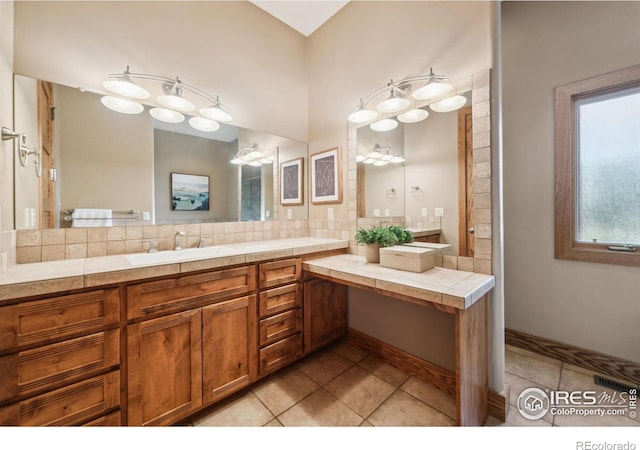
{"type": "Point", "coordinates": [168, 257]}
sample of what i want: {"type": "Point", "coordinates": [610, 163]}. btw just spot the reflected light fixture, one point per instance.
{"type": "Point", "coordinates": [434, 87]}
{"type": "Point", "coordinates": [380, 156]}
{"type": "Point", "coordinates": [413, 115]}
{"type": "Point", "coordinates": [166, 115]}
{"type": "Point", "coordinates": [173, 102]}
{"type": "Point", "coordinates": [253, 156]}
{"type": "Point", "coordinates": [122, 105]}
{"type": "Point", "coordinates": [384, 125]}
{"type": "Point", "coordinates": [449, 104]}
{"type": "Point", "coordinates": [205, 125]}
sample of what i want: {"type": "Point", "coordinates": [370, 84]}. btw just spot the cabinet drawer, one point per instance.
{"type": "Point", "coordinates": [54, 318]}
{"type": "Point", "coordinates": [280, 299]}
{"type": "Point", "coordinates": [34, 370]}
{"type": "Point", "coordinates": [280, 272]}
{"type": "Point", "coordinates": [280, 326]}
{"type": "Point", "coordinates": [281, 353]}
{"type": "Point", "coordinates": [71, 405]}
{"type": "Point", "coordinates": [110, 420]}
{"type": "Point", "coordinates": [188, 291]}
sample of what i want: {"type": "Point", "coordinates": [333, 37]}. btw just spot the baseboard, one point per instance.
{"type": "Point", "coordinates": [498, 404]}
{"type": "Point", "coordinates": [424, 370]}
{"type": "Point", "coordinates": [601, 363]}
{"type": "Point", "coordinates": [442, 378]}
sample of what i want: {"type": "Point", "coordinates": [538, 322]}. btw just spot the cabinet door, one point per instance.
{"type": "Point", "coordinates": [165, 368]}
{"type": "Point", "coordinates": [229, 346]}
{"type": "Point", "coordinates": [325, 313]}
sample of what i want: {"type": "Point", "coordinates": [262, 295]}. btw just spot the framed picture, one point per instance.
{"type": "Point", "coordinates": [326, 177]}
{"type": "Point", "coordinates": [291, 184]}
{"type": "Point", "coordinates": [189, 192]}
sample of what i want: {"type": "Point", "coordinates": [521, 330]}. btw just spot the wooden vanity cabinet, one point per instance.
{"type": "Point", "coordinates": [228, 347]}
{"type": "Point", "coordinates": [325, 313]}
{"type": "Point", "coordinates": [280, 324]}
{"type": "Point", "coordinates": [164, 368]}
{"type": "Point", "coordinates": [432, 238]}
{"type": "Point", "coordinates": [181, 361]}
{"type": "Point", "coordinates": [60, 359]}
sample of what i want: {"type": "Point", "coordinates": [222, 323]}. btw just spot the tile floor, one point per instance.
{"type": "Point", "coordinates": [344, 385]}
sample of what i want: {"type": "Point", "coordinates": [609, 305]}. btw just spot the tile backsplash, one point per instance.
{"type": "Point", "coordinates": [70, 243]}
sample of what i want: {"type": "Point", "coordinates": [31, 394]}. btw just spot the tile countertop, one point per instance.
{"type": "Point", "coordinates": [24, 280]}
{"type": "Point", "coordinates": [449, 287]}
{"type": "Point", "coordinates": [421, 232]}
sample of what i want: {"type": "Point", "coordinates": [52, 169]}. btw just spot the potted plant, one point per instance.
{"type": "Point", "coordinates": [403, 234]}
{"type": "Point", "coordinates": [381, 236]}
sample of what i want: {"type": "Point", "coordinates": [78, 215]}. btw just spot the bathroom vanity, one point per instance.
{"type": "Point", "coordinates": [151, 339]}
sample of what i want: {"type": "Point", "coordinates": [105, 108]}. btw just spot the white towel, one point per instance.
{"type": "Point", "coordinates": [91, 217]}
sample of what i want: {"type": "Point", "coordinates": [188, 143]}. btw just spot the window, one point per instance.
{"type": "Point", "coordinates": [598, 169]}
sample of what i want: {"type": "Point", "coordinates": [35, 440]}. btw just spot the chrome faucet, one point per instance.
{"type": "Point", "coordinates": [201, 243]}
{"type": "Point", "coordinates": [176, 245]}
{"type": "Point", "coordinates": [153, 247]}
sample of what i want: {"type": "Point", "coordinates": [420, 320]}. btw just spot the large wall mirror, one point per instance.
{"type": "Point", "coordinates": [430, 185]}
{"type": "Point", "coordinates": [122, 162]}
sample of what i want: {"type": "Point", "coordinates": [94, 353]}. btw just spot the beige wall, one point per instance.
{"type": "Point", "coordinates": [105, 159]}
{"type": "Point", "coordinates": [546, 44]}
{"type": "Point", "coordinates": [232, 49]}
{"type": "Point", "coordinates": [6, 114]}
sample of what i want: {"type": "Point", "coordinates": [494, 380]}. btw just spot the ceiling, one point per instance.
{"type": "Point", "coordinates": [304, 16]}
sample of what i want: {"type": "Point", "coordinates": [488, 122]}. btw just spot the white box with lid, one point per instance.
{"type": "Point", "coordinates": [412, 259]}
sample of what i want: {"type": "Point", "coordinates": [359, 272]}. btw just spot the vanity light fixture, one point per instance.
{"type": "Point", "coordinates": [396, 102]}
{"type": "Point", "coordinates": [172, 103]}
{"type": "Point", "coordinates": [253, 156]}
{"type": "Point", "coordinates": [384, 125]}
{"type": "Point", "coordinates": [413, 115]}
{"type": "Point", "coordinates": [434, 87]}
{"type": "Point", "coordinates": [449, 104]}
{"type": "Point", "coordinates": [380, 156]}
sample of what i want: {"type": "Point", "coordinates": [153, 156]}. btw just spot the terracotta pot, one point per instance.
{"type": "Point", "coordinates": [372, 253]}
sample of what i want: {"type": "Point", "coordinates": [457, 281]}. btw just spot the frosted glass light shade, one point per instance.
{"type": "Point", "coordinates": [433, 89]}
{"type": "Point", "coordinates": [449, 104]}
{"type": "Point", "coordinates": [381, 162]}
{"type": "Point", "coordinates": [360, 158]}
{"type": "Point", "coordinates": [414, 115]}
{"type": "Point", "coordinates": [215, 112]}
{"type": "Point", "coordinates": [176, 102]}
{"type": "Point", "coordinates": [362, 115]}
{"type": "Point", "coordinates": [122, 105]}
{"type": "Point", "coordinates": [384, 125]}
{"type": "Point", "coordinates": [126, 88]}
{"type": "Point", "coordinates": [166, 115]}
{"type": "Point", "coordinates": [202, 124]}
{"type": "Point", "coordinates": [393, 104]}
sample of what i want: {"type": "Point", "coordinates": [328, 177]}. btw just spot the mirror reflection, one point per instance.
{"type": "Point", "coordinates": [102, 160]}
{"type": "Point", "coordinates": [431, 189]}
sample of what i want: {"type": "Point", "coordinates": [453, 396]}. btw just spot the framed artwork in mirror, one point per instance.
{"type": "Point", "coordinates": [189, 192]}
{"type": "Point", "coordinates": [291, 182]}
{"type": "Point", "coordinates": [326, 177]}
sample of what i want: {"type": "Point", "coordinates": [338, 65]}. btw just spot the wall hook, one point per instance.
{"type": "Point", "coordinates": [10, 134]}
